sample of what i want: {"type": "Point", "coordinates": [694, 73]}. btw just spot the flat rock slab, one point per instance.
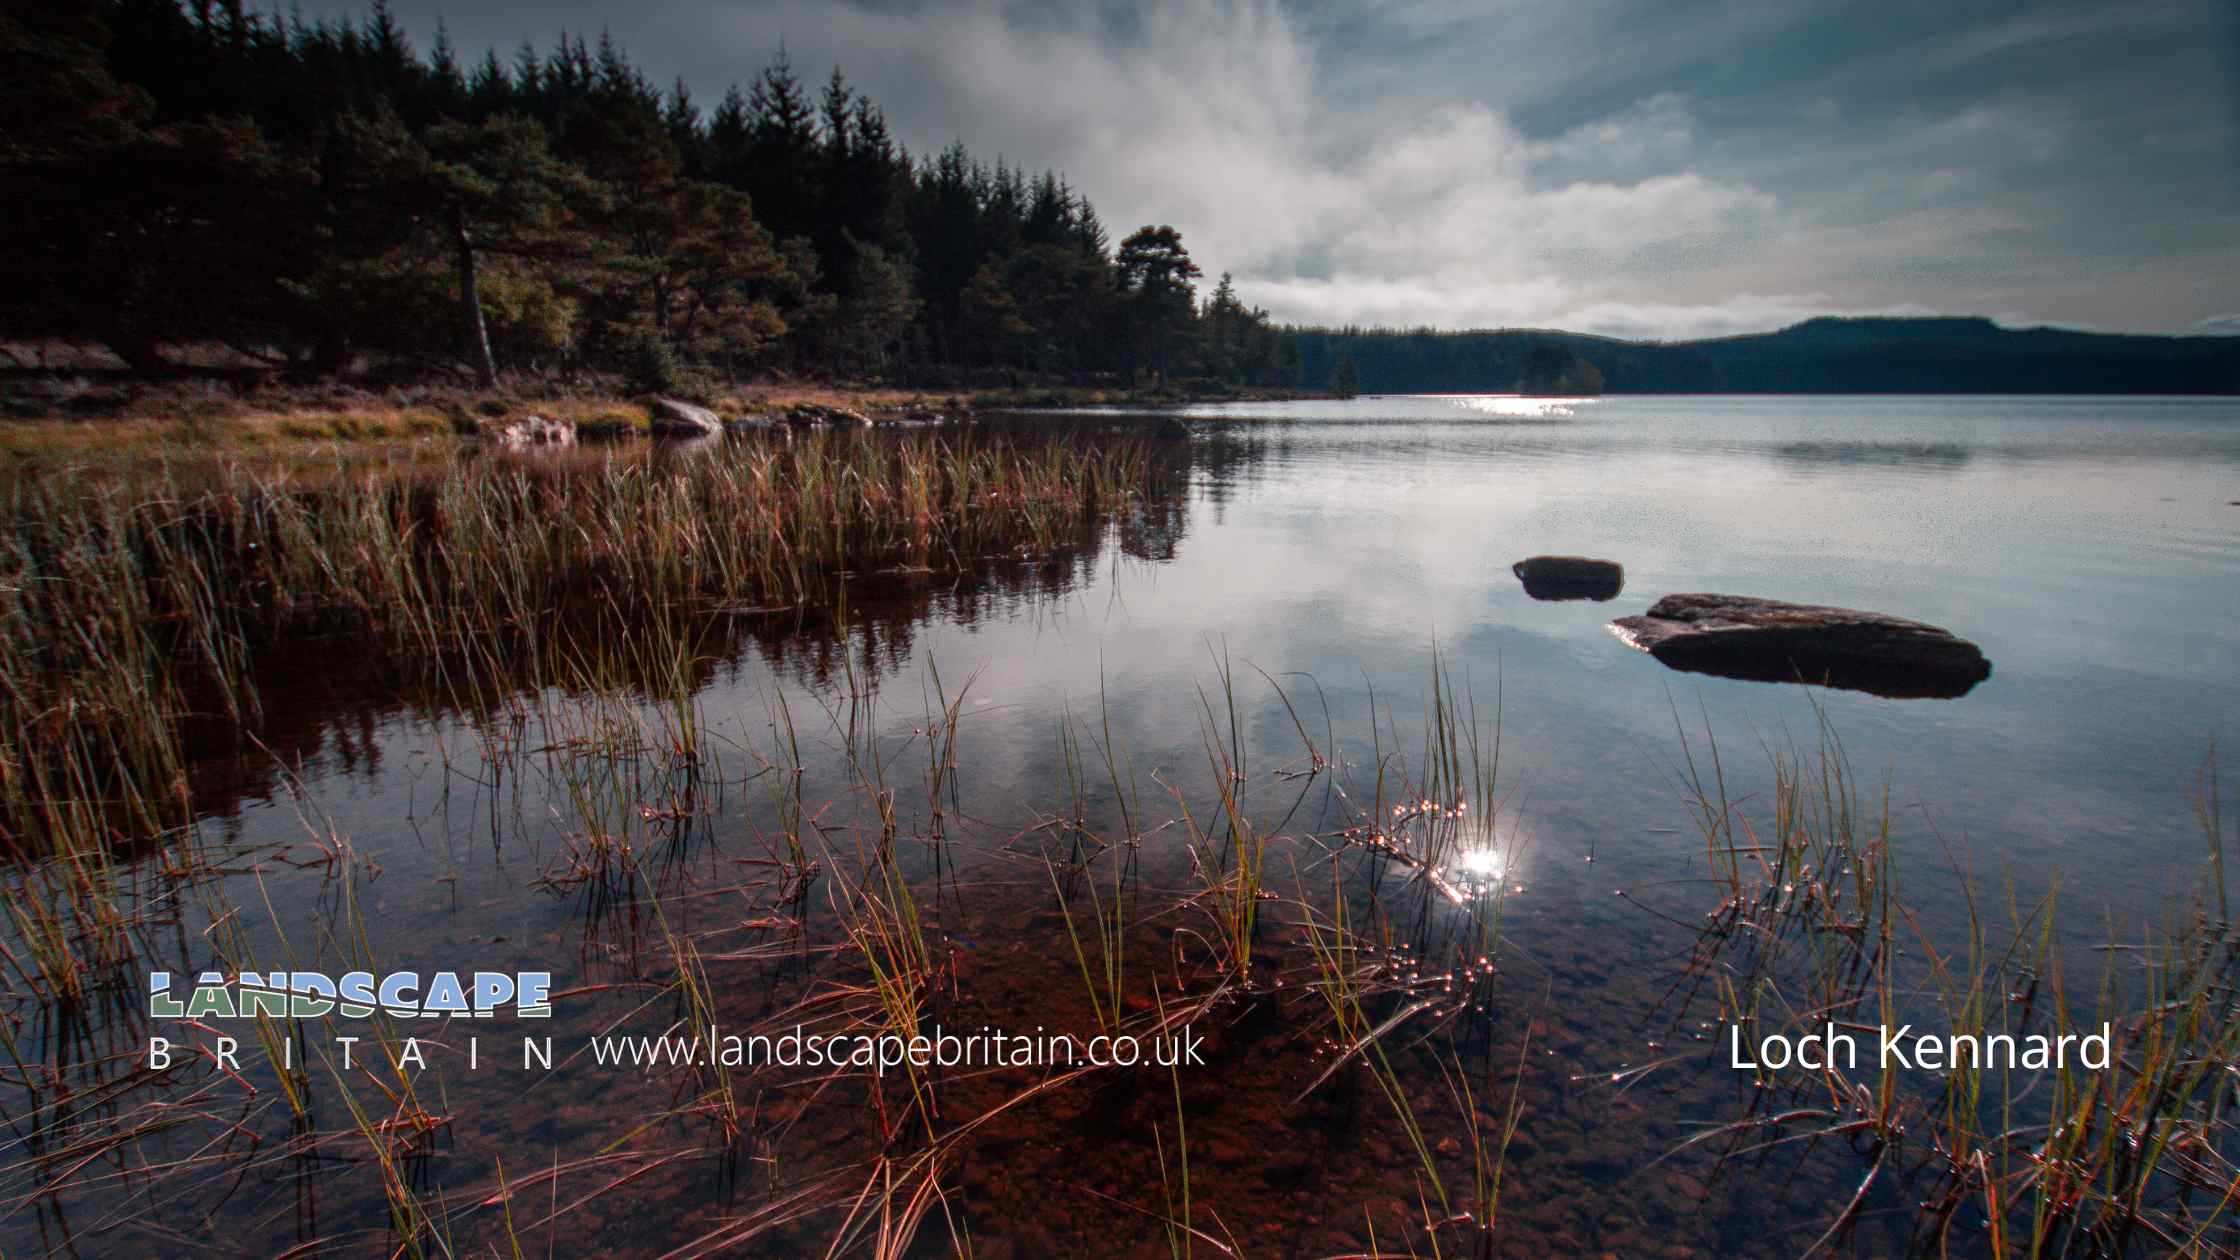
{"type": "Point", "coordinates": [672, 418]}
{"type": "Point", "coordinates": [1570, 577]}
{"type": "Point", "coordinates": [1735, 636]}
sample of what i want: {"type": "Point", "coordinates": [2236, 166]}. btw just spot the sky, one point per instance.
{"type": "Point", "coordinates": [1638, 168]}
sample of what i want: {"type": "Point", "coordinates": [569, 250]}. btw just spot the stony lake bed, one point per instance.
{"type": "Point", "coordinates": [1247, 728]}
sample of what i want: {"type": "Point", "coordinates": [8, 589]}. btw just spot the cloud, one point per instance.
{"type": "Point", "coordinates": [1208, 114]}
{"type": "Point", "coordinates": [1656, 128]}
{"type": "Point", "coordinates": [1611, 164]}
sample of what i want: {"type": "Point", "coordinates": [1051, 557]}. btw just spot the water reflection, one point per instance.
{"type": "Point", "coordinates": [1518, 408]}
{"type": "Point", "coordinates": [1479, 868]}
{"type": "Point", "coordinates": [324, 702]}
{"type": "Point", "coordinates": [1941, 457]}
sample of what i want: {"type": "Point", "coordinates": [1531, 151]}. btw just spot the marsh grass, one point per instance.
{"type": "Point", "coordinates": [565, 609]}
{"type": "Point", "coordinates": [1358, 1036]}
{"type": "Point", "coordinates": [1228, 843]}
{"type": "Point", "coordinates": [127, 605]}
{"type": "Point", "coordinates": [1081, 844]}
{"type": "Point", "coordinates": [2143, 1158]}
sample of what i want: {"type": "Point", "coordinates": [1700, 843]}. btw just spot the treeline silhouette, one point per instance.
{"type": "Point", "coordinates": [1826, 355]}
{"type": "Point", "coordinates": [322, 197]}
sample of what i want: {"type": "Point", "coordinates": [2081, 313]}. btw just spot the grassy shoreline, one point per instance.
{"type": "Point", "coordinates": [50, 420]}
{"type": "Point", "coordinates": [121, 598]}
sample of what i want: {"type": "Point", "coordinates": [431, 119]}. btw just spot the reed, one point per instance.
{"type": "Point", "coordinates": [1227, 843]}
{"type": "Point", "coordinates": [128, 605]}
{"type": "Point", "coordinates": [880, 915]}
{"type": "Point", "coordinates": [1357, 1037]}
{"type": "Point", "coordinates": [1108, 918]}
{"type": "Point", "coordinates": [2143, 1157]}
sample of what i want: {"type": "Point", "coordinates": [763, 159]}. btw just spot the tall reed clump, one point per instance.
{"type": "Point", "coordinates": [128, 605]}
{"type": "Point", "coordinates": [2070, 1157]}
{"type": "Point", "coordinates": [1228, 845]}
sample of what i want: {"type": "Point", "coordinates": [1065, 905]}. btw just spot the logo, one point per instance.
{"type": "Point", "coordinates": [353, 995]}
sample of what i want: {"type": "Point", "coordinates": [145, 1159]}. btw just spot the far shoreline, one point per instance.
{"type": "Point", "coordinates": [46, 417]}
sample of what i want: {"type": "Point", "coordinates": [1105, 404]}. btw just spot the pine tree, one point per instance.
{"type": "Point", "coordinates": [730, 139]}
{"type": "Point", "coordinates": [875, 315]}
{"type": "Point", "coordinates": [447, 85]}
{"type": "Point", "coordinates": [1345, 379]}
{"type": "Point", "coordinates": [782, 149]}
{"type": "Point", "coordinates": [1156, 271]}
{"type": "Point", "coordinates": [490, 188]}
{"type": "Point", "coordinates": [305, 188]}
{"type": "Point", "coordinates": [488, 92]}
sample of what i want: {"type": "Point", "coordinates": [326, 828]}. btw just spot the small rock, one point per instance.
{"type": "Point", "coordinates": [1570, 577]}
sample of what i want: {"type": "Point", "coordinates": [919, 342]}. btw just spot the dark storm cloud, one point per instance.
{"type": "Point", "coordinates": [1633, 166]}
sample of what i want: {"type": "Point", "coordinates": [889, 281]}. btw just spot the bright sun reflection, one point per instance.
{"type": "Point", "coordinates": [1519, 408]}
{"type": "Point", "coordinates": [1480, 866]}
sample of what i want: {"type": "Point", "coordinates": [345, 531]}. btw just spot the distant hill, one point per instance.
{"type": "Point", "coordinates": [1828, 355]}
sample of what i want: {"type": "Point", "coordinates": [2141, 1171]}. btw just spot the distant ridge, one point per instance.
{"type": "Point", "coordinates": [1825, 355]}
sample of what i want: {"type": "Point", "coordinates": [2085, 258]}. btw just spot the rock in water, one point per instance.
{"type": "Point", "coordinates": [674, 419]}
{"type": "Point", "coordinates": [1738, 637]}
{"type": "Point", "coordinates": [1570, 577]}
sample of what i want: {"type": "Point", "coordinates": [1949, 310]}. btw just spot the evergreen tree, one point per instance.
{"type": "Point", "coordinates": [729, 139]}
{"type": "Point", "coordinates": [782, 151]}
{"type": "Point", "coordinates": [875, 315]}
{"type": "Point", "coordinates": [1290, 369]}
{"type": "Point", "coordinates": [474, 191]}
{"type": "Point", "coordinates": [1155, 272]}
{"type": "Point", "coordinates": [681, 118]}
{"type": "Point", "coordinates": [1226, 333]}
{"type": "Point", "coordinates": [447, 84]}
{"type": "Point", "coordinates": [185, 170]}
{"type": "Point", "coordinates": [1345, 379]}
{"type": "Point", "coordinates": [488, 92]}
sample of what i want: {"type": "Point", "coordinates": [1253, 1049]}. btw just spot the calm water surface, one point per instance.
{"type": "Point", "coordinates": [2090, 546]}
